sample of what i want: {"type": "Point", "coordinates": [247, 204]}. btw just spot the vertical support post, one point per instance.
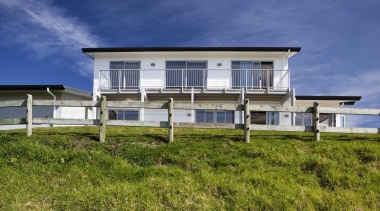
{"type": "Point", "coordinates": [29, 115]}
{"type": "Point", "coordinates": [317, 134]}
{"type": "Point", "coordinates": [103, 119]}
{"type": "Point", "coordinates": [246, 121]}
{"type": "Point", "coordinates": [170, 120]}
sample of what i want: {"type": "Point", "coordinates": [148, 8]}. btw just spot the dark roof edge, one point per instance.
{"type": "Point", "coordinates": [30, 87]}
{"type": "Point", "coordinates": [190, 49]}
{"type": "Point", "coordinates": [44, 88]}
{"type": "Point", "coordinates": [343, 98]}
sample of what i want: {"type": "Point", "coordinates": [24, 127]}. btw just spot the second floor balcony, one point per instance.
{"type": "Point", "coordinates": [252, 80]}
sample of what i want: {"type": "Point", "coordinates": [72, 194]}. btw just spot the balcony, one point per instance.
{"type": "Point", "coordinates": [252, 80]}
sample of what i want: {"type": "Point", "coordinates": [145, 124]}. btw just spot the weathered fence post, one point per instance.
{"type": "Point", "coordinates": [247, 121]}
{"type": "Point", "coordinates": [317, 135]}
{"type": "Point", "coordinates": [29, 115]}
{"type": "Point", "coordinates": [103, 119]}
{"type": "Point", "coordinates": [170, 120]}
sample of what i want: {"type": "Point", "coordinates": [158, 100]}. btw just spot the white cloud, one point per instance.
{"type": "Point", "coordinates": [45, 31]}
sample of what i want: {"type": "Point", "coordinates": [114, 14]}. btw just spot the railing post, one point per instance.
{"type": "Point", "coordinates": [29, 115]}
{"type": "Point", "coordinates": [246, 121]}
{"type": "Point", "coordinates": [103, 119]}
{"type": "Point", "coordinates": [317, 134]}
{"type": "Point", "coordinates": [170, 120]}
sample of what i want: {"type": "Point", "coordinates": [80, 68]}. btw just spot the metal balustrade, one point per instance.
{"type": "Point", "coordinates": [250, 79]}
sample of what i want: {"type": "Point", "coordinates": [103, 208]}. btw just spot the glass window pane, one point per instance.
{"type": "Point", "coordinates": [220, 117]}
{"type": "Point", "coordinates": [308, 119]}
{"type": "Point", "coordinates": [175, 65]}
{"type": "Point", "coordinates": [120, 115]}
{"type": "Point", "coordinates": [229, 116]}
{"type": "Point", "coordinates": [200, 116]}
{"type": "Point", "coordinates": [112, 115]}
{"type": "Point", "coordinates": [116, 65]}
{"type": "Point", "coordinates": [131, 115]}
{"type": "Point", "coordinates": [258, 118]}
{"type": "Point", "coordinates": [299, 119]}
{"type": "Point", "coordinates": [209, 116]}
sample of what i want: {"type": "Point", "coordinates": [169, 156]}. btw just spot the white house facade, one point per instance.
{"type": "Point", "coordinates": [43, 92]}
{"type": "Point", "coordinates": [202, 75]}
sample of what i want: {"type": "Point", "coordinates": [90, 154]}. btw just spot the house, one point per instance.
{"type": "Point", "coordinates": [43, 92]}
{"type": "Point", "coordinates": [204, 75]}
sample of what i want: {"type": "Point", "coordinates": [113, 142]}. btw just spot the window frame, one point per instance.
{"type": "Point", "coordinates": [125, 78]}
{"type": "Point", "coordinates": [186, 77]}
{"type": "Point", "coordinates": [116, 112]}
{"type": "Point", "coordinates": [255, 77]}
{"type": "Point", "coordinates": [229, 116]}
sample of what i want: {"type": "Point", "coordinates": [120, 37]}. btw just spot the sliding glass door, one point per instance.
{"type": "Point", "coordinates": [124, 75]}
{"type": "Point", "coordinates": [252, 75]}
{"type": "Point", "coordinates": [186, 74]}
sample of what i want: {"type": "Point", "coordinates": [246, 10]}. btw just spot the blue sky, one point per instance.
{"type": "Point", "coordinates": [41, 40]}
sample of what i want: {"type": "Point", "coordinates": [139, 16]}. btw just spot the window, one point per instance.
{"type": "Point", "coordinates": [186, 74]}
{"type": "Point", "coordinates": [214, 116]}
{"type": "Point", "coordinates": [251, 74]}
{"type": "Point", "coordinates": [123, 115]}
{"type": "Point", "coordinates": [304, 119]}
{"type": "Point", "coordinates": [124, 75]}
{"type": "Point", "coordinates": [264, 118]}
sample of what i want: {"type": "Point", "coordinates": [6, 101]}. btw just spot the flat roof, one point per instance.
{"type": "Point", "coordinates": [347, 100]}
{"type": "Point", "coordinates": [52, 87]}
{"type": "Point", "coordinates": [190, 49]}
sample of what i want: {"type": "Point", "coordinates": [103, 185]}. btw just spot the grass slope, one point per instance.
{"type": "Point", "coordinates": [67, 169]}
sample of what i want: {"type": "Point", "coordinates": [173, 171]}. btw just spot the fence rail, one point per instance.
{"type": "Point", "coordinates": [103, 104]}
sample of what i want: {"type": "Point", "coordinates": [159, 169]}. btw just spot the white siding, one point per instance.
{"type": "Point", "coordinates": [218, 76]}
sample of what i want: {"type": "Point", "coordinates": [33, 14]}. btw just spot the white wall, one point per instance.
{"type": "Point", "coordinates": [216, 74]}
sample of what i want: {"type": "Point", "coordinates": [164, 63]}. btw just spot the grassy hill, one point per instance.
{"type": "Point", "coordinates": [67, 169]}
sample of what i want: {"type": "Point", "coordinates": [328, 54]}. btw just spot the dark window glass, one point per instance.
{"type": "Point", "coordinates": [258, 118]}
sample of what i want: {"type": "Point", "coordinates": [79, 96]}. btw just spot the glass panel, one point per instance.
{"type": "Point", "coordinates": [116, 65]}
{"type": "Point", "coordinates": [209, 116]}
{"type": "Point", "coordinates": [220, 117]}
{"type": "Point", "coordinates": [120, 115]}
{"type": "Point", "coordinates": [195, 74]}
{"type": "Point", "coordinates": [131, 115]}
{"type": "Point", "coordinates": [258, 118]}
{"type": "Point", "coordinates": [200, 116]}
{"type": "Point", "coordinates": [229, 116]}
{"type": "Point", "coordinates": [307, 119]}
{"type": "Point", "coordinates": [267, 74]}
{"type": "Point", "coordinates": [174, 73]}
{"type": "Point", "coordinates": [112, 115]}
{"type": "Point", "coordinates": [299, 119]}
{"type": "Point", "coordinates": [124, 74]}
{"type": "Point", "coordinates": [176, 65]}
{"type": "Point", "coordinates": [256, 75]}
{"type": "Point", "coordinates": [273, 118]}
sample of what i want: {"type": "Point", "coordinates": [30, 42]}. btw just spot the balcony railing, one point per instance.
{"type": "Point", "coordinates": [225, 79]}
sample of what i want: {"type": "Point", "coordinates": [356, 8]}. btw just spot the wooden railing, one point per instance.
{"type": "Point", "coordinates": [103, 104]}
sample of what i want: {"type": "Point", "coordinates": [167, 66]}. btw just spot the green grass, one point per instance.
{"type": "Point", "coordinates": [135, 169]}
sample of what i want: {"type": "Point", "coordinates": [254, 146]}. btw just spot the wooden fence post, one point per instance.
{"type": "Point", "coordinates": [103, 119]}
{"type": "Point", "coordinates": [170, 120]}
{"type": "Point", "coordinates": [29, 115]}
{"type": "Point", "coordinates": [317, 135]}
{"type": "Point", "coordinates": [247, 121]}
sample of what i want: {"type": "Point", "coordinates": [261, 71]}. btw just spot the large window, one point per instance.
{"type": "Point", "coordinates": [123, 115]}
{"type": "Point", "coordinates": [186, 74]}
{"type": "Point", "coordinates": [252, 75]}
{"type": "Point", "coordinates": [124, 74]}
{"type": "Point", "coordinates": [304, 119]}
{"type": "Point", "coordinates": [210, 116]}
{"type": "Point", "coordinates": [264, 118]}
